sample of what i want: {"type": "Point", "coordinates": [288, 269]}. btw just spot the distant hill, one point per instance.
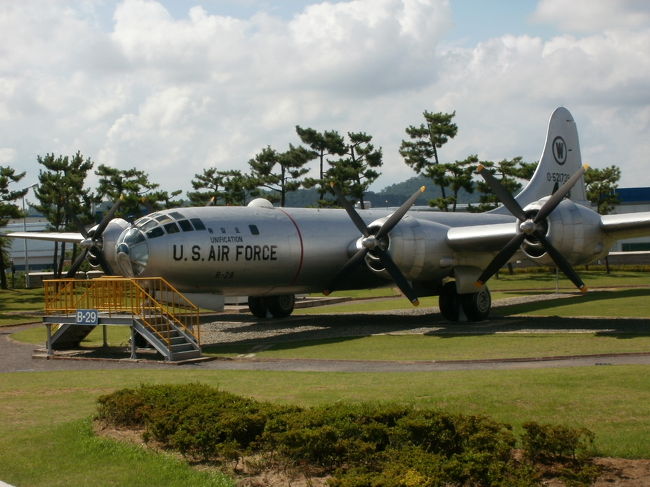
{"type": "Point", "coordinates": [392, 195]}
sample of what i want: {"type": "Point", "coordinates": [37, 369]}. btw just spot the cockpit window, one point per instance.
{"type": "Point", "coordinates": [172, 228]}
{"type": "Point", "coordinates": [177, 215]}
{"type": "Point", "coordinates": [163, 218]}
{"type": "Point", "coordinates": [149, 225]}
{"type": "Point", "coordinates": [185, 225]}
{"type": "Point", "coordinates": [133, 237]}
{"type": "Point", "coordinates": [155, 232]}
{"type": "Point", "coordinates": [198, 224]}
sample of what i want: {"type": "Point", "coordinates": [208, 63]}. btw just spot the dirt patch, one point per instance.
{"type": "Point", "coordinates": [619, 471]}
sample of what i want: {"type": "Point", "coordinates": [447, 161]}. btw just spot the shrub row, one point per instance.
{"type": "Point", "coordinates": [362, 445]}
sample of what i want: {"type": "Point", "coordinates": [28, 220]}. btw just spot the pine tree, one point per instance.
{"type": "Point", "coordinates": [8, 210]}
{"type": "Point", "coordinates": [421, 151]}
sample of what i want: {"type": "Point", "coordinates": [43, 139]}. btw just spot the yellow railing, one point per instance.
{"type": "Point", "coordinates": [153, 300]}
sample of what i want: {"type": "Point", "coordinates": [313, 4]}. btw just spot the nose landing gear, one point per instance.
{"type": "Point", "coordinates": [275, 306]}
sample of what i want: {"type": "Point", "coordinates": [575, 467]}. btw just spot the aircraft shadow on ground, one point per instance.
{"type": "Point", "coordinates": [592, 296]}
{"type": "Point", "coordinates": [299, 331]}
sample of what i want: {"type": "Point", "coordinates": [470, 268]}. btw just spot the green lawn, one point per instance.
{"type": "Point", "coordinates": [634, 303]}
{"type": "Point", "coordinates": [44, 413]}
{"type": "Point", "coordinates": [446, 347]}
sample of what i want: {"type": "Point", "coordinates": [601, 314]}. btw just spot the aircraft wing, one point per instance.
{"type": "Point", "coordinates": [626, 225]}
{"type": "Point", "coordinates": [495, 236]}
{"type": "Point", "coordinates": [491, 237]}
{"type": "Point", "coordinates": [70, 237]}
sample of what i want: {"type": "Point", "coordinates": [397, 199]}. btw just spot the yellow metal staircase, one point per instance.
{"type": "Point", "coordinates": [152, 307]}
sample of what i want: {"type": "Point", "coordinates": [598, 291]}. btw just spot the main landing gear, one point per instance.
{"type": "Point", "coordinates": [474, 307]}
{"type": "Point", "coordinates": [275, 306]}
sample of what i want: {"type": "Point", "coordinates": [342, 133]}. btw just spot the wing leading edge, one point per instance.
{"type": "Point", "coordinates": [68, 237]}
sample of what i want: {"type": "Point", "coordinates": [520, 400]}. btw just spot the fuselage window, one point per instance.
{"type": "Point", "coordinates": [172, 227]}
{"type": "Point", "coordinates": [254, 230]}
{"type": "Point", "coordinates": [185, 225]}
{"type": "Point", "coordinates": [155, 232]}
{"type": "Point", "coordinates": [223, 230]}
{"type": "Point", "coordinates": [198, 224]}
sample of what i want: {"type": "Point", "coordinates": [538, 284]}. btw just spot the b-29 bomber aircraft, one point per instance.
{"type": "Point", "coordinates": [270, 253]}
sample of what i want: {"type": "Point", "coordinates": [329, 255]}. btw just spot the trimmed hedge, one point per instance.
{"type": "Point", "coordinates": [361, 445]}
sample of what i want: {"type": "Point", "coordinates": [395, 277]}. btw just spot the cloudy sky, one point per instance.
{"type": "Point", "coordinates": [172, 87]}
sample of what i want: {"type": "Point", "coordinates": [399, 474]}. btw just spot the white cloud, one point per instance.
{"type": "Point", "coordinates": [174, 93]}
{"type": "Point", "coordinates": [594, 16]}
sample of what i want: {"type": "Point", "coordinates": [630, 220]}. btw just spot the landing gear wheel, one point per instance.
{"type": "Point", "coordinates": [449, 301]}
{"type": "Point", "coordinates": [281, 306]}
{"type": "Point", "coordinates": [257, 306]}
{"type": "Point", "coordinates": [477, 305]}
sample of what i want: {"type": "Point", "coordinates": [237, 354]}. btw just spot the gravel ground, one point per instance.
{"type": "Point", "coordinates": [242, 328]}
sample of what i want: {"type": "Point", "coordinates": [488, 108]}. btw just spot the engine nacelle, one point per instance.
{"type": "Point", "coordinates": [416, 247]}
{"type": "Point", "coordinates": [574, 231]}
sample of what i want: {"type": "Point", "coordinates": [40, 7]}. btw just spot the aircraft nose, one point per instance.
{"type": "Point", "coordinates": [132, 252]}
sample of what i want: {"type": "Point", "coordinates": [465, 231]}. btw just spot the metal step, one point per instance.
{"type": "Point", "coordinates": [185, 355]}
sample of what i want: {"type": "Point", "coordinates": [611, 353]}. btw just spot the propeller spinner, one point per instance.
{"type": "Point", "coordinates": [376, 243]}
{"type": "Point", "coordinates": [531, 225]}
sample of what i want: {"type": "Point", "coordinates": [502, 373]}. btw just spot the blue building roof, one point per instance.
{"type": "Point", "coordinates": [633, 195]}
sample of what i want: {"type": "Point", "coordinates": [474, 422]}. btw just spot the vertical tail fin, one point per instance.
{"type": "Point", "coordinates": [560, 160]}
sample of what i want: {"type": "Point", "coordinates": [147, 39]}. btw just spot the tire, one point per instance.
{"type": "Point", "coordinates": [281, 306]}
{"type": "Point", "coordinates": [257, 306]}
{"type": "Point", "coordinates": [449, 301]}
{"type": "Point", "coordinates": [477, 305]}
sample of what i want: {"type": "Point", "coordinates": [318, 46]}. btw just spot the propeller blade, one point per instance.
{"type": "Point", "coordinates": [352, 262]}
{"type": "Point", "coordinates": [502, 193]}
{"type": "Point", "coordinates": [396, 216]}
{"type": "Point", "coordinates": [107, 218]}
{"type": "Point", "coordinates": [397, 276]}
{"type": "Point", "coordinates": [561, 262]}
{"type": "Point", "coordinates": [72, 272]}
{"type": "Point", "coordinates": [352, 213]}
{"type": "Point", "coordinates": [559, 195]}
{"type": "Point", "coordinates": [504, 255]}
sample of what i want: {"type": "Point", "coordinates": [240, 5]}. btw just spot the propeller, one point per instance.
{"type": "Point", "coordinates": [530, 225]}
{"type": "Point", "coordinates": [92, 243]}
{"type": "Point", "coordinates": [376, 244]}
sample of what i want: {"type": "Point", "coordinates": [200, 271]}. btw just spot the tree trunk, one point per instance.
{"type": "Point", "coordinates": [55, 258]}
{"type": "Point", "coordinates": [59, 270]}
{"type": "Point", "coordinates": [3, 276]}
